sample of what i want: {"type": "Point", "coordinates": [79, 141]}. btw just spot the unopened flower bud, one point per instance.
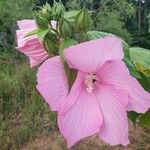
{"type": "Point", "coordinates": [83, 20]}
{"type": "Point", "coordinates": [46, 12]}
{"type": "Point", "coordinates": [65, 28]}
{"type": "Point", "coordinates": [41, 22]}
{"type": "Point", "coordinates": [58, 10]}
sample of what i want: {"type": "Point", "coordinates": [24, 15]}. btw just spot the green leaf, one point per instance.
{"type": "Point", "coordinates": [46, 12]}
{"type": "Point", "coordinates": [92, 35]}
{"type": "Point", "coordinates": [141, 56]}
{"type": "Point", "coordinates": [70, 14]}
{"type": "Point", "coordinates": [42, 22]}
{"type": "Point", "coordinates": [50, 46]}
{"type": "Point", "coordinates": [129, 63]}
{"type": "Point", "coordinates": [70, 73]}
{"type": "Point", "coordinates": [133, 71]}
{"type": "Point", "coordinates": [32, 33]}
{"type": "Point", "coordinates": [145, 119]}
{"type": "Point", "coordinates": [133, 116]}
{"type": "Point", "coordinates": [58, 10]}
{"type": "Point", "coordinates": [145, 82]}
{"type": "Point", "coordinates": [42, 33]}
{"type": "Point", "coordinates": [83, 20]}
{"type": "Point", "coordinates": [65, 28]}
{"type": "Point", "coordinates": [126, 49]}
{"type": "Point", "coordinates": [65, 44]}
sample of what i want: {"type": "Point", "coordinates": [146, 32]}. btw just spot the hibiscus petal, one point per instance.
{"type": "Point", "coordinates": [31, 47]}
{"type": "Point", "coordinates": [90, 56]}
{"type": "Point", "coordinates": [115, 124]}
{"type": "Point", "coordinates": [73, 95]}
{"type": "Point", "coordinates": [139, 98]}
{"type": "Point", "coordinates": [26, 24]}
{"type": "Point", "coordinates": [35, 51]}
{"type": "Point", "coordinates": [82, 120]}
{"type": "Point", "coordinates": [52, 82]}
{"type": "Point", "coordinates": [117, 74]}
{"type": "Point", "coordinates": [21, 39]}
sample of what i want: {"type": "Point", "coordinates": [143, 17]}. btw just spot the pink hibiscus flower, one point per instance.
{"type": "Point", "coordinates": [102, 94]}
{"type": "Point", "coordinates": [30, 45]}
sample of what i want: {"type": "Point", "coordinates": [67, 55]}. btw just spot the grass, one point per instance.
{"type": "Point", "coordinates": [23, 113]}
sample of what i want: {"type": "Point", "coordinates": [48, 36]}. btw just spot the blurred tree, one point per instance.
{"type": "Point", "coordinates": [138, 26]}
{"type": "Point", "coordinates": [122, 8]}
{"type": "Point", "coordinates": [110, 22]}
{"type": "Point", "coordinates": [112, 16]}
{"type": "Point", "coordinates": [42, 2]}
{"type": "Point", "coordinates": [89, 4]}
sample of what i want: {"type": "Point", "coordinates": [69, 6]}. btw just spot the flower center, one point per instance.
{"type": "Point", "coordinates": [89, 81]}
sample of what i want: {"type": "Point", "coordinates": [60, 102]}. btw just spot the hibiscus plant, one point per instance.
{"type": "Point", "coordinates": [94, 80]}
